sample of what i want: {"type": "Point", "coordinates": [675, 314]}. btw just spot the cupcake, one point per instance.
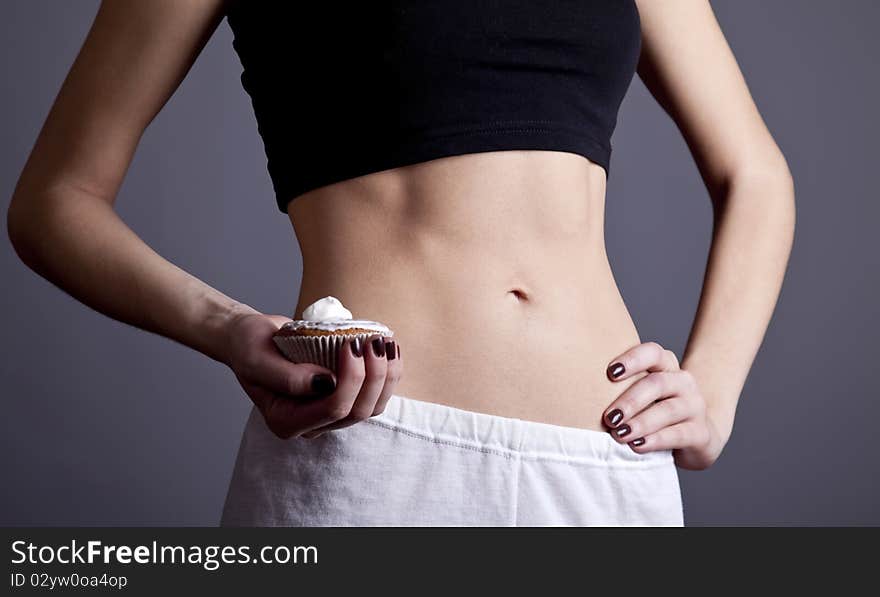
{"type": "Point", "coordinates": [318, 336]}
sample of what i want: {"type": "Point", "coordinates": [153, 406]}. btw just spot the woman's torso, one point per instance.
{"type": "Point", "coordinates": [490, 268]}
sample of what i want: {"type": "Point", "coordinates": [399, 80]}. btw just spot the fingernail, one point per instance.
{"type": "Point", "coordinates": [638, 441]}
{"type": "Point", "coordinates": [390, 350]}
{"type": "Point", "coordinates": [379, 347]}
{"type": "Point", "coordinates": [615, 370]}
{"type": "Point", "coordinates": [622, 431]}
{"type": "Point", "coordinates": [615, 416]}
{"type": "Point", "coordinates": [398, 351]}
{"type": "Point", "coordinates": [323, 384]}
{"type": "Point", "coordinates": [356, 348]}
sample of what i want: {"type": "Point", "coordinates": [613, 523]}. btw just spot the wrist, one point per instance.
{"type": "Point", "coordinates": [720, 398]}
{"type": "Point", "coordinates": [720, 427]}
{"type": "Point", "coordinates": [213, 328]}
{"type": "Point", "coordinates": [721, 421]}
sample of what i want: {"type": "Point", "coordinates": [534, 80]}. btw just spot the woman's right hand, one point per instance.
{"type": "Point", "coordinates": [303, 399]}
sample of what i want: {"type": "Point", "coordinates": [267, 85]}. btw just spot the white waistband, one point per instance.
{"type": "Point", "coordinates": [510, 437]}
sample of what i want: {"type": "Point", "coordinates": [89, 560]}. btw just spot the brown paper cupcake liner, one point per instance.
{"type": "Point", "coordinates": [320, 350]}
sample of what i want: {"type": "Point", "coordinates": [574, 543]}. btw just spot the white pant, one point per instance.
{"type": "Point", "coordinates": [425, 464]}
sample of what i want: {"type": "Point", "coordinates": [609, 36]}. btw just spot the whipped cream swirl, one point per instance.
{"type": "Point", "coordinates": [330, 314]}
{"type": "Point", "coordinates": [326, 309]}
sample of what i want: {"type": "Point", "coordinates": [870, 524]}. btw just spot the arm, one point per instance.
{"type": "Point", "coordinates": [61, 219]}
{"type": "Point", "coordinates": [689, 407]}
{"type": "Point", "coordinates": [63, 225]}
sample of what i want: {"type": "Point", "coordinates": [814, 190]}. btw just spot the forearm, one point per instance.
{"type": "Point", "coordinates": [79, 243]}
{"type": "Point", "coordinates": [752, 238]}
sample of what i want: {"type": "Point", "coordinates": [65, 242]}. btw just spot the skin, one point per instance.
{"type": "Point", "coordinates": [490, 268]}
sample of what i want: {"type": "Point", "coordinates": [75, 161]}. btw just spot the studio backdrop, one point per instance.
{"type": "Point", "coordinates": [104, 424]}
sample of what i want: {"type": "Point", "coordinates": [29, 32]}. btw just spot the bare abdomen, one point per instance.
{"type": "Point", "coordinates": [491, 270]}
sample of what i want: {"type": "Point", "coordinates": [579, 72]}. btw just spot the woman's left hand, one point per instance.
{"type": "Point", "coordinates": [665, 409]}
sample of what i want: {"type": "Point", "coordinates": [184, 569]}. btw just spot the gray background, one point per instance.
{"type": "Point", "coordinates": [105, 424]}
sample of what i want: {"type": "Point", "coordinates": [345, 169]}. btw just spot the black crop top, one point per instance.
{"type": "Point", "coordinates": [340, 90]}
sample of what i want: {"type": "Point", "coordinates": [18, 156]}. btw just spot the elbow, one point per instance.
{"type": "Point", "coordinates": [764, 186]}
{"type": "Point", "coordinates": [770, 170]}
{"type": "Point", "coordinates": [778, 193]}
{"type": "Point", "coordinates": [15, 228]}
{"type": "Point", "coordinates": [788, 192]}
{"type": "Point", "coordinates": [765, 175]}
{"type": "Point", "coordinates": [774, 165]}
{"type": "Point", "coordinates": [21, 228]}
{"type": "Point", "coordinates": [783, 183]}
{"type": "Point", "coordinates": [783, 195]}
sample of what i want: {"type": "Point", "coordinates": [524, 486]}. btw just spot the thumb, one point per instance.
{"type": "Point", "coordinates": [279, 375]}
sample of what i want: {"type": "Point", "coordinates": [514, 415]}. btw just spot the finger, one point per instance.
{"type": "Point", "coordinates": [647, 356]}
{"type": "Point", "coordinates": [261, 397]}
{"type": "Point", "coordinates": [288, 417]}
{"type": "Point", "coordinates": [376, 364]}
{"type": "Point", "coordinates": [664, 413]}
{"type": "Point", "coordinates": [304, 417]}
{"type": "Point", "coordinates": [352, 361]}
{"type": "Point", "coordinates": [298, 417]}
{"type": "Point", "coordinates": [392, 376]}
{"type": "Point", "coordinates": [285, 416]}
{"type": "Point", "coordinates": [680, 435]}
{"type": "Point", "coordinates": [643, 393]}
{"type": "Point", "coordinates": [275, 373]}
{"type": "Point", "coordinates": [395, 370]}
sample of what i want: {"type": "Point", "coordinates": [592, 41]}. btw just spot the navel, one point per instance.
{"type": "Point", "coordinates": [519, 294]}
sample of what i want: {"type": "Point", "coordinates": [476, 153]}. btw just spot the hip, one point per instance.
{"type": "Point", "coordinates": [426, 464]}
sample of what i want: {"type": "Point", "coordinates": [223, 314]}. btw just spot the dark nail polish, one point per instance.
{"type": "Point", "coordinates": [623, 430]}
{"type": "Point", "coordinates": [323, 384]}
{"type": "Point", "coordinates": [379, 347]}
{"type": "Point", "coordinates": [390, 350]}
{"type": "Point", "coordinates": [356, 348]}
{"type": "Point", "coordinates": [398, 350]}
{"type": "Point", "coordinates": [615, 370]}
{"type": "Point", "coordinates": [615, 416]}
{"type": "Point", "coordinates": [638, 441]}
